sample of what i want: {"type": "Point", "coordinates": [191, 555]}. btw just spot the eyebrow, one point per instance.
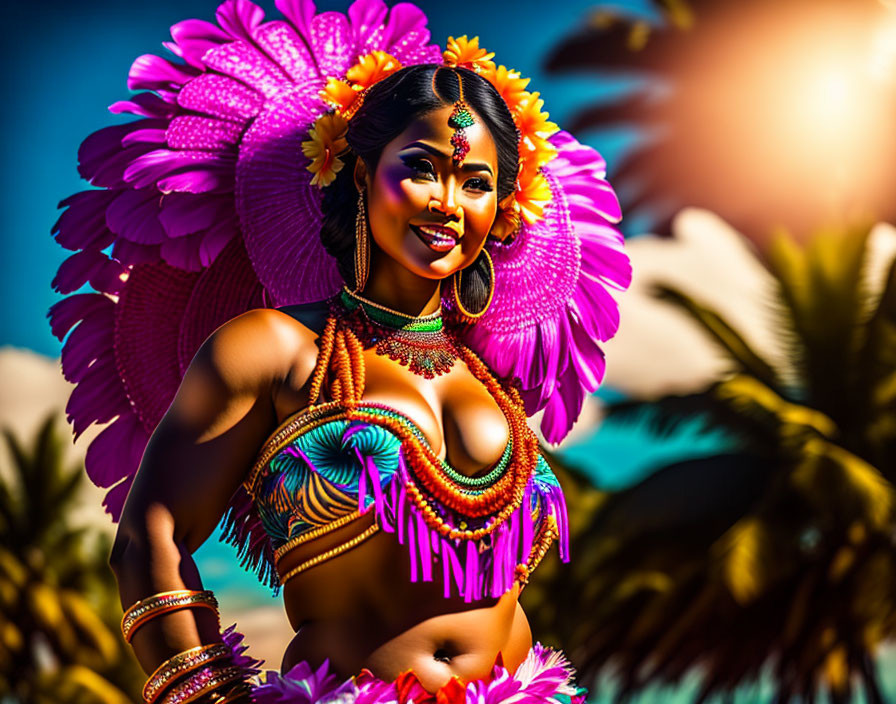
{"type": "Point", "coordinates": [468, 166]}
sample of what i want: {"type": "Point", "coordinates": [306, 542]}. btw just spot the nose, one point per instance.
{"type": "Point", "coordinates": [446, 205]}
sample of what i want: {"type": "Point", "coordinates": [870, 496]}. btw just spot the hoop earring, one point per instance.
{"type": "Point", "coordinates": [486, 272]}
{"type": "Point", "coordinates": [362, 244]}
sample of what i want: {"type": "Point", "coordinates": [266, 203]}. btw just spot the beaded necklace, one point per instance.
{"type": "Point", "coordinates": [493, 497]}
{"type": "Point", "coordinates": [419, 343]}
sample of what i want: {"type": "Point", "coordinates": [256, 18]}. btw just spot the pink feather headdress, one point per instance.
{"type": "Point", "coordinates": [196, 195]}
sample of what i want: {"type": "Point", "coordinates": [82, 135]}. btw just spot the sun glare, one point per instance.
{"type": "Point", "coordinates": [882, 59]}
{"type": "Point", "coordinates": [791, 112]}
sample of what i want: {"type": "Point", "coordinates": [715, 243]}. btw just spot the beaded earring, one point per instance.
{"type": "Point", "coordinates": [482, 269]}
{"type": "Point", "coordinates": [362, 244]}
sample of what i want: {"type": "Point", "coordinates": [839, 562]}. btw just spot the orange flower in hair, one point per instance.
{"type": "Point", "coordinates": [530, 120]}
{"type": "Point", "coordinates": [509, 84]}
{"type": "Point", "coordinates": [532, 195]}
{"type": "Point", "coordinates": [325, 143]}
{"type": "Point", "coordinates": [346, 96]}
{"type": "Point", "coordinates": [535, 152]}
{"type": "Point", "coordinates": [339, 94]}
{"type": "Point", "coordinates": [507, 219]}
{"type": "Point", "coordinates": [467, 54]}
{"type": "Point", "coordinates": [371, 69]}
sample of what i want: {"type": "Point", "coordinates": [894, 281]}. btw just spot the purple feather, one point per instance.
{"type": "Point", "coordinates": [89, 265]}
{"type": "Point", "coordinates": [134, 215]}
{"type": "Point", "coordinates": [193, 38]}
{"type": "Point", "coordinates": [220, 96]}
{"type": "Point", "coordinates": [90, 340]}
{"type": "Point", "coordinates": [98, 398]}
{"type": "Point", "coordinates": [83, 222]}
{"type": "Point", "coordinates": [116, 452]}
{"type": "Point", "coordinates": [145, 105]}
{"type": "Point", "coordinates": [131, 253]}
{"type": "Point", "coordinates": [149, 72]}
{"type": "Point", "coordinates": [69, 311]}
{"type": "Point", "coordinates": [115, 498]}
{"type": "Point", "coordinates": [239, 18]}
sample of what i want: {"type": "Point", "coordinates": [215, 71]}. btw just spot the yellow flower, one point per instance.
{"type": "Point", "coordinates": [345, 96]}
{"type": "Point", "coordinates": [325, 143]}
{"type": "Point", "coordinates": [532, 194]}
{"type": "Point", "coordinates": [507, 220]}
{"type": "Point", "coordinates": [532, 122]}
{"type": "Point", "coordinates": [371, 69]}
{"type": "Point", "coordinates": [466, 53]}
{"type": "Point", "coordinates": [338, 94]}
{"type": "Point", "coordinates": [537, 151]}
{"type": "Point", "coordinates": [509, 84]}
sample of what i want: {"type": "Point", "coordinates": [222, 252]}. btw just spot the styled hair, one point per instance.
{"type": "Point", "coordinates": [389, 107]}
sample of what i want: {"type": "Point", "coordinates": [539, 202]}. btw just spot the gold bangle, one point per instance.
{"type": "Point", "coordinates": [315, 533]}
{"type": "Point", "coordinates": [202, 683]}
{"type": "Point", "coordinates": [162, 603]}
{"type": "Point", "coordinates": [233, 694]}
{"type": "Point", "coordinates": [181, 664]}
{"type": "Point", "coordinates": [333, 552]}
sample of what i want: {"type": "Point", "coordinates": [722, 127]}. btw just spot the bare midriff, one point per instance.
{"type": "Point", "coordinates": [361, 610]}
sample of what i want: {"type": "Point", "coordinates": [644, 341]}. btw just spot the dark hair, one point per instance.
{"type": "Point", "coordinates": [389, 107]}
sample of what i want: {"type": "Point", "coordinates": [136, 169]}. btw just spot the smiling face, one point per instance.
{"type": "Point", "coordinates": [427, 215]}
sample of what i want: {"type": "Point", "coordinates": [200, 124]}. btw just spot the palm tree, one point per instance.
{"type": "Point", "coordinates": [54, 581]}
{"type": "Point", "coordinates": [782, 553]}
{"type": "Point", "coordinates": [765, 112]}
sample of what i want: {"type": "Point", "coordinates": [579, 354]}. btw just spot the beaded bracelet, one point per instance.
{"type": "Point", "coordinates": [201, 683]}
{"type": "Point", "coordinates": [162, 603]}
{"type": "Point", "coordinates": [181, 664]}
{"type": "Point", "coordinates": [236, 693]}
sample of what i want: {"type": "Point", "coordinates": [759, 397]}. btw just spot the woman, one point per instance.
{"type": "Point", "coordinates": [367, 459]}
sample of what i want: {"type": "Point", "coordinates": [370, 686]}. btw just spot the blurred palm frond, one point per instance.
{"type": "Point", "coordinates": [59, 638]}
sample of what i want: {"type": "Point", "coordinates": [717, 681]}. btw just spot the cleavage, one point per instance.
{"type": "Point", "coordinates": [460, 420]}
{"type": "Point", "coordinates": [471, 434]}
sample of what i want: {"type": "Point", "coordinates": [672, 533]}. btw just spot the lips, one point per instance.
{"type": "Point", "coordinates": [436, 237]}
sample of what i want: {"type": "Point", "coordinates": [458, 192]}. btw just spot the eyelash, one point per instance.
{"type": "Point", "coordinates": [423, 168]}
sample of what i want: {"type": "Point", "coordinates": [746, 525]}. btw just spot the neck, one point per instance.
{"type": "Point", "coordinates": [399, 289]}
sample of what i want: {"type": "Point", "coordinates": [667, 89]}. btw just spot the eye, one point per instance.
{"type": "Point", "coordinates": [421, 167]}
{"type": "Point", "coordinates": [479, 184]}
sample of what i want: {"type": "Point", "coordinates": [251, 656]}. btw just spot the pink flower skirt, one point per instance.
{"type": "Point", "coordinates": [544, 677]}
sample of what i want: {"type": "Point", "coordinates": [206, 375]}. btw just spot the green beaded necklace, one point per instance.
{"type": "Point", "coordinates": [419, 343]}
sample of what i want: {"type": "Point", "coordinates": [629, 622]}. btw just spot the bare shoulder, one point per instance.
{"type": "Point", "coordinates": [219, 418]}
{"type": "Point", "coordinates": [256, 349]}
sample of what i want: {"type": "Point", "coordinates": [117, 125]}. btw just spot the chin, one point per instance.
{"type": "Point", "coordinates": [427, 263]}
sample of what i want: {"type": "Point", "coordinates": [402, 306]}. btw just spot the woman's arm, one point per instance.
{"type": "Point", "coordinates": [195, 460]}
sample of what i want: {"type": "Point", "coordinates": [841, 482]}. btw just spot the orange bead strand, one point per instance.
{"type": "Point", "coordinates": [341, 359]}
{"type": "Point", "coordinates": [327, 338]}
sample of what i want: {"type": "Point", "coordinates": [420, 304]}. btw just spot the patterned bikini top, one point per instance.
{"type": "Point", "coordinates": [332, 463]}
